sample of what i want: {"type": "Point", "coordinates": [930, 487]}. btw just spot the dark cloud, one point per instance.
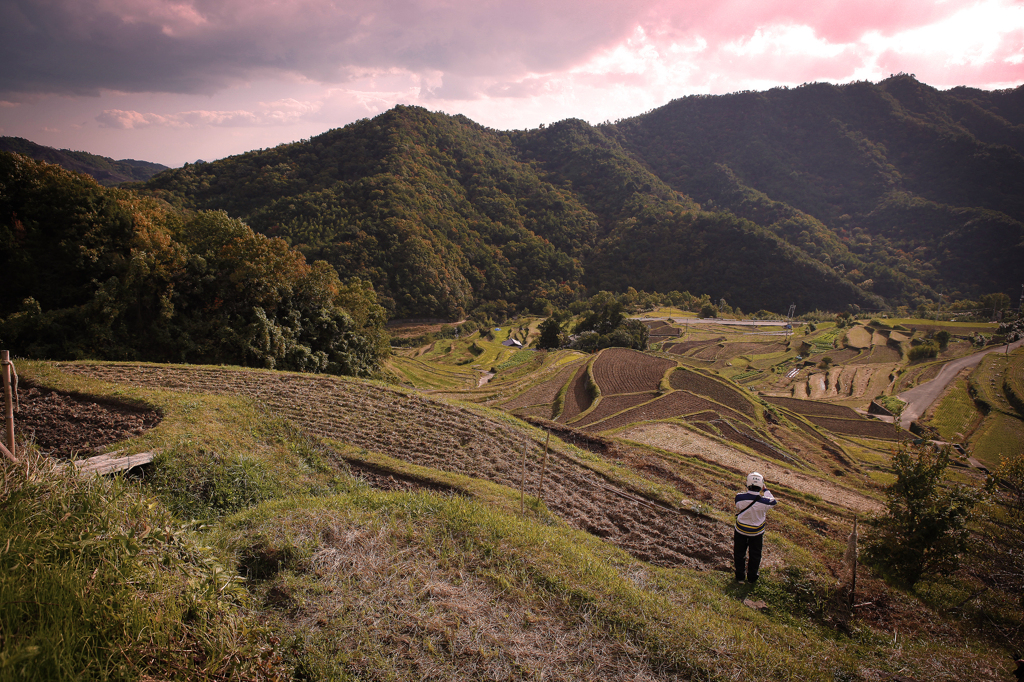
{"type": "Point", "coordinates": [84, 46]}
{"type": "Point", "coordinates": [463, 48]}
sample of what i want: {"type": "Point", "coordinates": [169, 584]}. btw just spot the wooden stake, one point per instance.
{"type": "Point", "coordinates": [5, 361]}
{"type": "Point", "coordinates": [853, 583]}
{"type": "Point", "coordinates": [522, 484]}
{"type": "Point", "coordinates": [544, 469]}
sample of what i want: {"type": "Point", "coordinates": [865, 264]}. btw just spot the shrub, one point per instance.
{"type": "Point", "coordinates": [926, 350]}
{"type": "Point", "coordinates": [924, 528]}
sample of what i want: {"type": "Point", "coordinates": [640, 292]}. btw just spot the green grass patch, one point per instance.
{"type": "Point", "coordinates": [1000, 435]}
{"type": "Point", "coordinates": [956, 414]}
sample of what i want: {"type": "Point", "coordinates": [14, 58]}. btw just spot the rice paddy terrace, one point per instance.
{"type": "Point", "coordinates": [677, 426]}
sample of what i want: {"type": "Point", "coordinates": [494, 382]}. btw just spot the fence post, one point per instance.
{"type": "Point", "coordinates": [5, 362]}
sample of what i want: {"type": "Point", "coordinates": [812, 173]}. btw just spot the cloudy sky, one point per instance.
{"type": "Point", "coordinates": [179, 80]}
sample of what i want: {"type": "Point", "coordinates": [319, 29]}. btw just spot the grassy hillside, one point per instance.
{"type": "Point", "coordinates": [357, 531]}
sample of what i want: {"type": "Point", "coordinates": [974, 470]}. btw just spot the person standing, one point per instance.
{"type": "Point", "coordinates": [748, 537]}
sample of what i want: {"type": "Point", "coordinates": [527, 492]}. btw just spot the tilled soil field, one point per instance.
{"type": "Point", "coordinates": [621, 370]}
{"type": "Point", "coordinates": [811, 407]}
{"type": "Point", "coordinates": [577, 397]}
{"type": "Point", "coordinates": [454, 439]}
{"type": "Point", "coordinates": [613, 404]}
{"type": "Point", "coordinates": [866, 428]}
{"type": "Point", "coordinates": [675, 404]}
{"type": "Point", "coordinates": [680, 348]}
{"type": "Point", "coordinates": [63, 425]}
{"type": "Point", "coordinates": [700, 384]}
{"type": "Point", "coordinates": [544, 392]}
{"type": "Point", "coordinates": [684, 441]}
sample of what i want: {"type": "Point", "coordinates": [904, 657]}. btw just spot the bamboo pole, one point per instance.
{"type": "Point", "coordinates": [522, 484]}
{"type": "Point", "coordinates": [853, 583]}
{"type": "Point", "coordinates": [5, 361]}
{"type": "Point", "coordinates": [544, 469]}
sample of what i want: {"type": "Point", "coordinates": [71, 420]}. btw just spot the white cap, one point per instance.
{"type": "Point", "coordinates": [755, 479]}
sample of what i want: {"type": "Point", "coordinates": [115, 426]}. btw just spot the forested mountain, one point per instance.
{"type": "Point", "coordinates": [106, 171]}
{"type": "Point", "coordinates": [101, 273]}
{"type": "Point", "coordinates": [822, 195]}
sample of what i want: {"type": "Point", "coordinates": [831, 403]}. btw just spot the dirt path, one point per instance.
{"type": "Point", "coordinates": [677, 439]}
{"type": "Point", "coordinates": [921, 397]}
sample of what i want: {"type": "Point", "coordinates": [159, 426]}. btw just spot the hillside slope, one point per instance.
{"type": "Point", "coordinates": [826, 196]}
{"type": "Point", "coordinates": [104, 170]}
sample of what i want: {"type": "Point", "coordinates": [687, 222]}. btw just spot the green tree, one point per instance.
{"type": "Point", "coordinates": [924, 528]}
{"type": "Point", "coordinates": [550, 333]}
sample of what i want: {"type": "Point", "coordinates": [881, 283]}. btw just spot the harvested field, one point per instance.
{"type": "Point", "coordinates": [865, 428]}
{"type": "Point", "coordinates": [64, 425]}
{"type": "Point", "coordinates": [621, 370]}
{"type": "Point", "coordinates": [841, 356]}
{"type": "Point", "coordinates": [879, 338]}
{"type": "Point", "coordinates": [861, 380]}
{"type": "Point", "coordinates": [613, 404]}
{"type": "Point", "coordinates": [544, 392]}
{"type": "Point", "coordinates": [733, 350]}
{"type": "Point", "coordinates": [452, 439]}
{"type": "Point", "coordinates": [577, 396]}
{"type": "Point", "coordinates": [688, 380]}
{"type": "Point", "coordinates": [681, 348]}
{"type": "Point", "coordinates": [709, 353]}
{"type": "Point", "coordinates": [542, 411]}
{"type": "Point", "coordinates": [858, 337]}
{"type": "Point", "coordinates": [816, 386]}
{"type": "Point", "coordinates": [678, 439]}
{"type": "Point", "coordinates": [675, 404]}
{"type": "Point", "coordinates": [885, 354]}
{"type": "Point", "coordinates": [813, 408]}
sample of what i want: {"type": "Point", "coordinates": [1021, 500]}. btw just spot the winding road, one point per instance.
{"type": "Point", "coordinates": [920, 398]}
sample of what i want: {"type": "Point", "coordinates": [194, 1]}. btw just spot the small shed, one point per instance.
{"type": "Point", "coordinates": [512, 343]}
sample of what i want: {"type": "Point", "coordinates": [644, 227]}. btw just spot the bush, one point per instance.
{"type": "Point", "coordinates": [925, 350]}
{"type": "Point", "coordinates": [924, 528]}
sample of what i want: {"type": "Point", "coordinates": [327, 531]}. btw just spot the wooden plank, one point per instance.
{"type": "Point", "coordinates": [102, 465]}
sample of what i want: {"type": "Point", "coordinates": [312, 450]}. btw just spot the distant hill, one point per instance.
{"type": "Point", "coordinates": [106, 171]}
{"type": "Point", "coordinates": [826, 196]}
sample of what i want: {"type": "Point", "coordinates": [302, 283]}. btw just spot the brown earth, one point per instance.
{"type": "Point", "coordinates": [577, 396]}
{"type": "Point", "coordinates": [718, 391]}
{"type": "Point", "coordinates": [678, 439]}
{"type": "Point", "coordinates": [674, 404]}
{"type": "Point", "coordinates": [621, 370]}
{"type": "Point", "coordinates": [63, 425]}
{"type": "Point", "coordinates": [680, 348]}
{"type": "Point", "coordinates": [812, 407]}
{"type": "Point", "coordinates": [543, 393]}
{"type": "Point", "coordinates": [453, 439]}
{"type": "Point", "coordinates": [613, 404]}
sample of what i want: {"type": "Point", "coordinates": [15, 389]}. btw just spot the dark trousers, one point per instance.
{"type": "Point", "coordinates": [741, 545]}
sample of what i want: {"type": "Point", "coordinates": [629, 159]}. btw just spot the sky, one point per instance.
{"type": "Point", "coordinates": [175, 81]}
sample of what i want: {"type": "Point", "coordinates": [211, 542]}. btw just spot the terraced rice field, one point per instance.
{"type": "Point", "coordinates": [689, 380]}
{"type": "Point", "coordinates": [577, 396]}
{"type": "Point", "coordinates": [544, 392]}
{"type": "Point", "coordinates": [956, 415]}
{"type": "Point", "coordinates": [453, 439]}
{"type": "Point", "coordinates": [621, 370]}
{"type": "Point", "coordinates": [858, 337]}
{"type": "Point", "coordinates": [814, 408]}
{"type": "Point", "coordinates": [883, 354]}
{"type": "Point", "coordinates": [613, 404]}
{"type": "Point", "coordinates": [685, 346]}
{"type": "Point", "coordinates": [865, 428]}
{"type": "Point", "coordinates": [670, 406]}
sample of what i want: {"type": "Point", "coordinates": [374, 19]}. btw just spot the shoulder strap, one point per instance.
{"type": "Point", "coordinates": [752, 503]}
